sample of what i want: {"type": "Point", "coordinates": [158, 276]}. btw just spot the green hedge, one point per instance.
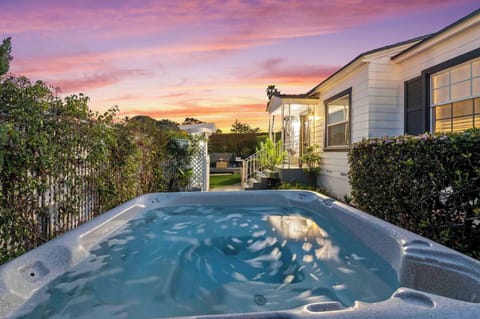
{"type": "Point", "coordinates": [240, 144]}
{"type": "Point", "coordinates": [62, 164]}
{"type": "Point", "coordinates": [428, 184]}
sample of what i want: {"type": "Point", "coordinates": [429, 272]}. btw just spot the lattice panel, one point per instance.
{"type": "Point", "coordinates": [200, 164]}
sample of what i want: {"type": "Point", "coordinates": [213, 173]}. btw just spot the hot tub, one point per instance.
{"type": "Point", "coordinates": [276, 254]}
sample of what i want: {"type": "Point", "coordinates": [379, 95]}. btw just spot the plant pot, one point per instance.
{"type": "Point", "coordinates": [271, 174]}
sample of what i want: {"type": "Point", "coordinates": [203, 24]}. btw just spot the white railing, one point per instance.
{"type": "Point", "coordinates": [251, 166]}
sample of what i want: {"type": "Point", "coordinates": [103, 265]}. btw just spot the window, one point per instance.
{"type": "Point", "coordinates": [455, 102]}
{"type": "Point", "coordinates": [337, 114]}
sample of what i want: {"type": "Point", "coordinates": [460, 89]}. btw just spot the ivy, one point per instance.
{"type": "Point", "coordinates": [428, 184]}
{"type": "Point", "coordinates": [62, 164]}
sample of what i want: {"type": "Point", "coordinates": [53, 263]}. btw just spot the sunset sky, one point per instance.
{"type": "Point", "coordinates": [211, 60]}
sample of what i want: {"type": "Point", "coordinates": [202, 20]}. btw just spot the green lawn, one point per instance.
{"type": "Point", "coordinates": [224, 180]}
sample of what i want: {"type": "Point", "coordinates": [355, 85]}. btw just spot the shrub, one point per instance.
{"type": "Point", "coordinates": [428, 184]}
{"type": "Point", "coordinates": [311, 158]}
{"type": "Point", "coordinates": [62, 164]}
{"type": "Point", "coordinates": [240, 144]}
{"type": "Point", "coordinates": [270, 154]}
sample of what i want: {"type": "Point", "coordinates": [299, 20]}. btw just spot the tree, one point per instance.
{"type": "Point", "coordinates": [238, 127]}
{"type": "Point", "coordinates": [271, 91]}
{"type": "Point", "coordinates": [5, 55]}
{"type": "Point", "coordinates": [191, 120]}
{"type": "Point", "coordinates": [167, 125]}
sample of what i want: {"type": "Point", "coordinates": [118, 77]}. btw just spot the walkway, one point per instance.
{"type": "Point", "coordinates": [229, 188]}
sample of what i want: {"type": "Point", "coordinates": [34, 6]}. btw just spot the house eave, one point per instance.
{"type": "Point", "coordinates": [278, 100]}
{"type": "Point", "coordinates": [344, 71]}
{"type": "Point", "coordinates": [363, 58]}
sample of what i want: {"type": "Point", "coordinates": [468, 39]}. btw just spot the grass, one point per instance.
{"type": "Point", "coordinates": [224, 180]}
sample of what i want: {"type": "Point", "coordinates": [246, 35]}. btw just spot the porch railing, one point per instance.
{"type": "Point", "coordinates": [251, 166]}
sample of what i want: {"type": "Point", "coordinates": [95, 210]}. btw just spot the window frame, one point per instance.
{"type": "Point", "coordinates": [348, 121]}
{"type": "Point", "coordinates": [451, 101]}
{"type": "Point", "coordinates": [427, 73]}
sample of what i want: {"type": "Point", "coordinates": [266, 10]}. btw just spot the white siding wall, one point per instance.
{"type": "Point", "coordinates": [385, 112]}
{"type": "Point", "coordinates": [334, 165]}
{"type": "Point", "coordinates": [461, 43]}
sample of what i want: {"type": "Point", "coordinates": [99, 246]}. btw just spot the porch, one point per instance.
{"type": "Point", "coordinates": [292, 120]}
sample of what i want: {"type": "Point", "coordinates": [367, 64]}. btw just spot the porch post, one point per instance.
{"type": "Point", "coordinates": [291, 138]}
{"type": "Point", "coordinates": [282, 132]}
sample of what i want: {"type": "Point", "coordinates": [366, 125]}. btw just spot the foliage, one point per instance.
{"type": "Point", "coordinates": [5, 55]}
{"type": "Point", "coordinates": [311, 158]}
{"type": "Point", "coordinates": [237, 143]}
{"type": "Point", "coordinates": [224, 180]}
{"type": "Point", "coordinates": [270, 154]}
{"type": "Point", "coordinates": [183, 177]}
{"type": "Point", "coordinates": [62, 164]}
{"type": "Point", "coordinates": [167, 125]}
{"type": "Point", "coordinates": [243, 128]}
{"type": "Point", "coordinates": [271, 91]}
{"type": "Point", "coordinates": [181, 148]}
{"type": "Point", "coordinates": [191, 120]}
{"type": "Point", "coordinates": [429, 184]}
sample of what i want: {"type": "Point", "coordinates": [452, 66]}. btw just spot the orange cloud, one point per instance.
{"type": "Point", "coordinates": [194, 110]}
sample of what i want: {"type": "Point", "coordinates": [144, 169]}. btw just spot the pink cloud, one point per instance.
{"type": "Point", "coordinates": [222, 23]}
{"type": "Point", "coordinates": [97, 80]}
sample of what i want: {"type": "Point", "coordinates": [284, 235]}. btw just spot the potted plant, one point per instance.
{"type": "Point", "coordinates": [183, 178]}
{"type": "Point", "coordinates": [270, 155]}
{"type": "Point", "coordinates": [310, 161]}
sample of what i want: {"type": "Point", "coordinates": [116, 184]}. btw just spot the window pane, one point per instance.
{"type": "Point", "coordinates": [477, 121]}
{"type": "Point", "coordinates": [460, 73]}
{"type": "Point", "coordinates": [463, 108]}
{"type": "Point", "coordinates": [337, 135]}
{"type": "Point", "coordinates": [338, 110]}
{"type": "Point", "coordinates": [336, 113]}
{"type": "Point", "coordinates": [476, 86]}
{"type": "Point", "coordinates": [439, 80]}
{"type": "Point", "coordinates": [460, 90]}
{"type": "Point", "coordinates": [476, 68]}
{"type": "Point", "coordinates": [477, 105]}
{"type": "Point", "coordinates": [443, 111]}
{"type": "Point", "coordinates": [442, 126]}
{"type": "Point", "coordinates": [462, 123]}
{"type": "Point", "coordinates": [440, 95]}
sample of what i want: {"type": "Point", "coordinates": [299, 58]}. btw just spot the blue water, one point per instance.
{"type": "Point", "coordinates": [190, 260]}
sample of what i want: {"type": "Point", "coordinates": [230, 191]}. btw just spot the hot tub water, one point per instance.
{"type": "Point", "coordinates": [191, 260]}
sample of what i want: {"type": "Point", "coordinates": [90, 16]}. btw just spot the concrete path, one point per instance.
{"type": "Point", "coordinates": [229, 188]}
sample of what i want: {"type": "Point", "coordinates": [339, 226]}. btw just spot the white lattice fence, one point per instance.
{"type": "Point", "coordinates": [200, 167]}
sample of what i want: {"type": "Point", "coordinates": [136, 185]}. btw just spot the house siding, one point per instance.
{"type": "Point", "coordinates": [385, 115]}
{"type": "Point", "coordinates": [334, 173]}
{"type": "Point", "coordinates": [375, 112]}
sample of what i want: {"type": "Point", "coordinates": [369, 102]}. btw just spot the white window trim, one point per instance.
{"type": "Point", "coordinates": [347, 121]}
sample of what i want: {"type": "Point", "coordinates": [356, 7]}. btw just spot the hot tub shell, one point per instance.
{"type": "Point", "coordinates": [436, 282]}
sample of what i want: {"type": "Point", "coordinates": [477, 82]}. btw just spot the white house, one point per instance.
{"type": "Point", "coordinates": [427, 84]}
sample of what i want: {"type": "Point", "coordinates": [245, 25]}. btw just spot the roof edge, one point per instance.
{"type": "Point", "coordinates": [358, 57]}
